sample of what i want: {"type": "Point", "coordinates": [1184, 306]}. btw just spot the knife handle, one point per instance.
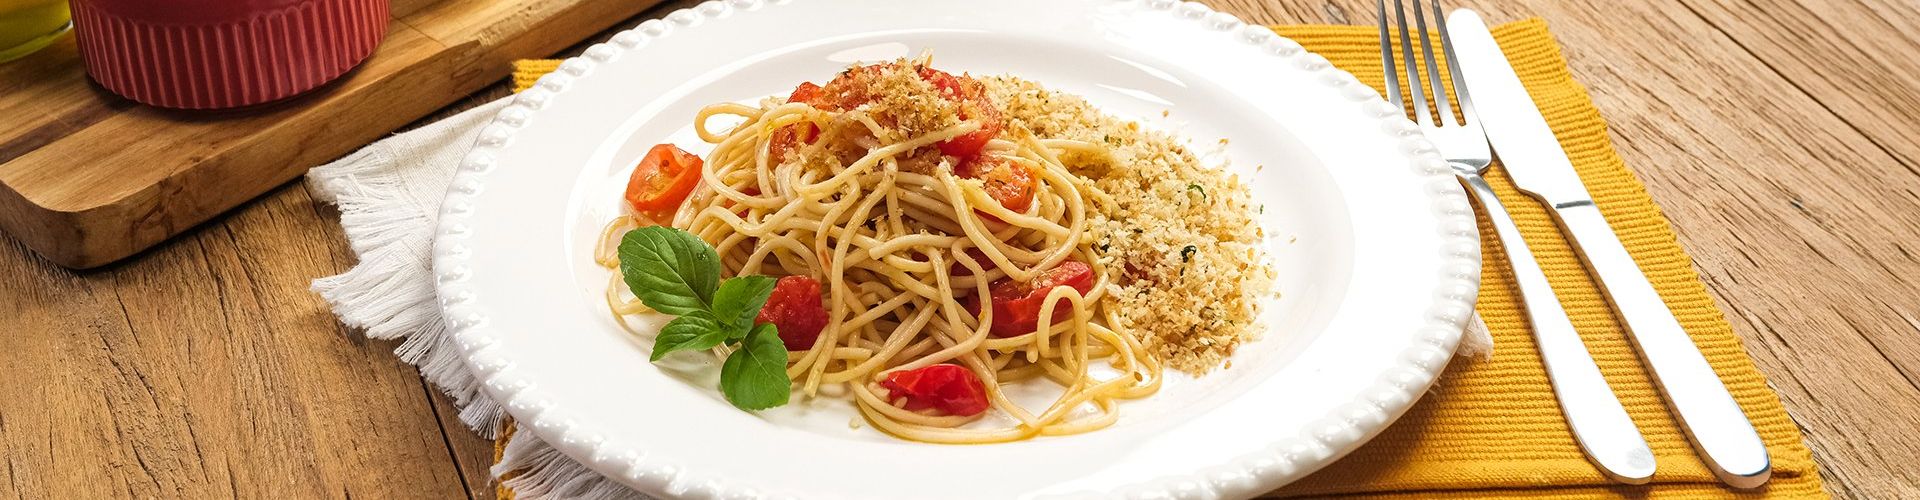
{"type": "Point", "coordinates": [1599, 424]}
{"type": "Point", "coordinates": [1720, 432]}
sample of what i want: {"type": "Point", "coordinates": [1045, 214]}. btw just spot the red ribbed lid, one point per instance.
{"type": "Point", "coordinates": [210, 54]}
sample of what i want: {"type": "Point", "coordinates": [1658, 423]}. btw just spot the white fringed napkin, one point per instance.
{"type": "Point", "coordinates": [389, 196]}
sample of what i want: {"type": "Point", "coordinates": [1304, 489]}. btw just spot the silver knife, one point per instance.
{"type": "Point", "coordinates": [1720, 432]}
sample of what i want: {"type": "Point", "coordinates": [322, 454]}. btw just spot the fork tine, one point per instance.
{"type": "Point", "coordinates": [1433, 68]}
{"type": "Point", "coordinates": [1453, 64]}
{"type": "Point", "coordinates": [1420, 112]}
{"type": "Point", "coordinates": [1390, 70]}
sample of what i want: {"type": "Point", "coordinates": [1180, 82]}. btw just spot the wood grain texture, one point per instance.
{"type": "Point", "coordinates": [1779, 138]}
{"type": "Point", "coordinates": [206, 369]}
{"type": "Point", "coordinates": [1854, 57]}
{"type": "Point", "coordinates": [87, 178]}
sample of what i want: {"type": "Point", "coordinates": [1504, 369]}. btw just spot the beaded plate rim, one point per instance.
{"type": "Point", "coordinates": [1247, 475]}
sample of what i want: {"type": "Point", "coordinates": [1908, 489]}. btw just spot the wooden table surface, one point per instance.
{"type": "Point", "coordinates": [1782, 137]}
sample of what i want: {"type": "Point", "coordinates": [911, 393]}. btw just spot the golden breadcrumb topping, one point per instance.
{"type": "Point", "coordinates": [894, 97]}
{"type": "Point", "coordinates": [1181, 234]}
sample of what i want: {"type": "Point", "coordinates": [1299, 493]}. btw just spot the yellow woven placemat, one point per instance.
{"type": "Point", "coordinates": [1492, 428]}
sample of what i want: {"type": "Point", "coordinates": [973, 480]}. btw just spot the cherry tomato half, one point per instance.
{"type": "Point", "coordinates": [1016, 305]}
{"type": "Point", "coordinates": [950, 388]}
{"type": "Point", "coordinates": [1007, 182]}
{"type": "Point", "coordinates": [806, 92]}
{"type": "Point", "coordinates": [789, 138]}
{"type": "Point", "coordinates": [662, 181]}
{"type": "Point", "coordinates": [971, 96]}
{"type": "Point", "coordinates": [795, 310]}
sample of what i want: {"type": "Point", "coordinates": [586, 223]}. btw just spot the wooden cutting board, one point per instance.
{"type": "Point", "coordinates": [87, 177]}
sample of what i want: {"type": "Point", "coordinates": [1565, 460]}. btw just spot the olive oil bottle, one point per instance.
{"type": "Point", "coordinates": [29, 25]}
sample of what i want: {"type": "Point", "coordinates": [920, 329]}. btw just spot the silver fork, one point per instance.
{"type": "Point", "coordinates": [1600, 425]}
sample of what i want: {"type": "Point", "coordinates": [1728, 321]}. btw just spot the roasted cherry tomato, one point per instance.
{"type": "Point", "coordinates": [794, 308]}
{"type": "Point", "coordinates": [786, 140]}
{"type": "Point", "coordinates": [806, 92]}
{"type": "Point", "coordinates": [952, 389]}
{"type": "Point", "coordinates": [968, 145]}
{"type": "Point", "coordinates": [948, 85]}
{"type": "Point", "coordinates": [1016, 305]}
{"type": "Point", "coordinates": [847, 90]}
{"type": "Point", "coordinates": [971, 96]}
{"type": "Point", "coordinates": [789, 138]}
{"type": "Point", "coordinates": [662, 181]}
{"type": "Point", "coordinates": [1007, 182]}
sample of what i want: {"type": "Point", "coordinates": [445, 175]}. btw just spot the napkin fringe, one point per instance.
{"type": "Point", "coordinates": [534, 469]}
{"type": "Point", "coordinates": [390, 293]}
{"type": "Point", "coordinates": [364, 192]}
{"type": "Point", "coordinates": [1476, 343]}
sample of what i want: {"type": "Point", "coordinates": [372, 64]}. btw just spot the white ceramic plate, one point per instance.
{"type": "Point", "coordinates": [1374, 242]}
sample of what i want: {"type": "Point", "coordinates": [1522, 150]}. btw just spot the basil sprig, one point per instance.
{"type": "Point", "coordinates": [673, 272]}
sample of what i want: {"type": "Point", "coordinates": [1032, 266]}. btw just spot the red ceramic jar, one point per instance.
{"type": "Point", "coordinates": [211, 54]}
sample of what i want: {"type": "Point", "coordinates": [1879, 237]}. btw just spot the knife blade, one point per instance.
{"type": "Point", "coordinates": [1721, 434]}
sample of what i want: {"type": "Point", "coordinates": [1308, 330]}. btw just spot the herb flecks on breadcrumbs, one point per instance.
{"type": "Point", "coordinates": [1181, 234]}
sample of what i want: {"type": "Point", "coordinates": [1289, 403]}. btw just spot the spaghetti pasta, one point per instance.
{"type": "Point", "coordinates": [917, 230]}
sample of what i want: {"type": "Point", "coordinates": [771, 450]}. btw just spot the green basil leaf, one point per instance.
{"type": "Point", "coordinates": [755, 376]}
{"type": "Point", "coordinates": [670, 270]}
{"type": "Point", "coordinates": [740, 298]}
{"type": "Point", "coordinates": [693, 331]}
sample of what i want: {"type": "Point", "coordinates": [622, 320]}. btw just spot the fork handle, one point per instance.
{"type": "Point", "coordinates": [1720, 432]}
{"type": "Point", "coordinates": [1599, 423]}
